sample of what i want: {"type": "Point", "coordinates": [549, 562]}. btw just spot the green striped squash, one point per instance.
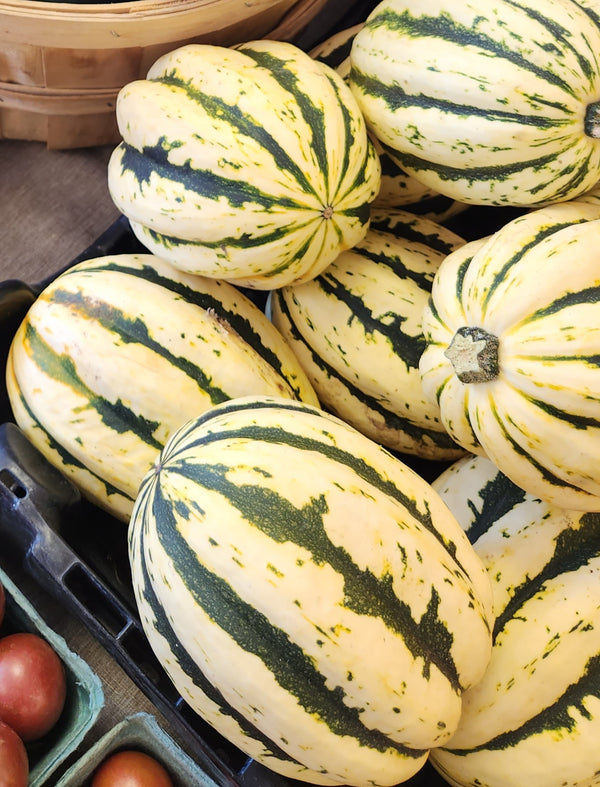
{"type": "Point", "coordinates": [118, 351]}
{"type": "Point", "coordinates": [335, 50]}
{"type": "Point", "coordinates": [308, 594]}
{"type": "Point", "coordinates": [476, 111]}
{"type": "Point", "coordinates": [356, 330]}
{"type": "Point", "coordinates": [248, 164]}
{"type": "Point", "coordinates": [593, 195]}
{"type": "Point", "coordinates": [398, 189]}
{"type": "Point", "coordinates": [592, 7]}
{"type": "Point", "coordinates": [534, 718]}
{"type": "Point", "coordinates": [513, 340]}
{"type": "Point", "coordinates": [403, 191]}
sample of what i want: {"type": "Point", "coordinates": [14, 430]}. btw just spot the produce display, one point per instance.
{"type": "Point", "coordinates": [246, 396]}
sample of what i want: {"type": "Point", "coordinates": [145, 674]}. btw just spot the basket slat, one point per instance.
{"type": "Point", "coordinates": [62, 64]}
{"type": "Point", "coordinates": [90, 60]}
{"type": "Point", "coordinates": [135, 23]}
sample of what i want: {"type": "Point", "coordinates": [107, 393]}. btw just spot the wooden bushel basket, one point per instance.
{"type": "Point", "coordinates": [63, 64]}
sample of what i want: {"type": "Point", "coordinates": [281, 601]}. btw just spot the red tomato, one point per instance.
{"type": "Point", "coordinates": [131, 768]}
{"type": "Point", "coordinates": [2, 603]}
{"type": "Point", "coordinates": [14, 764]}
{"type": "Point", "coordinates": [33, 685]}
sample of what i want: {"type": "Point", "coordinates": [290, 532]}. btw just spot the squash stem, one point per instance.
{"type": "Point", "coordinates": [473, 353]}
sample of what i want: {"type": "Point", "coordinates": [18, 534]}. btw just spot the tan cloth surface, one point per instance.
{"type": "Point", "coordinates": [53, 204]}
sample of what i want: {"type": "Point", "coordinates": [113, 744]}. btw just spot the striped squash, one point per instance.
{"type": "Point", "coordinates": [307, 593]}
{"type": "Point", "coordinates": [513, 340]}
{"type": "Point", "coordinates": [534, 718]}
{"type": "Point", "coordinates": [474, 110]}
{"type": "Point", "coordinates": [119, 351]}
{"type": "Point", "coordinates": [356, 330]}
{"type": "Point", "coordinates": [592, 7]}
{"type": "Point", "coordinates": [248, 164]}
{"type": "Point", "coordinates": [398, 189]}
{"type": "Point", "coordinates": [593, 195]}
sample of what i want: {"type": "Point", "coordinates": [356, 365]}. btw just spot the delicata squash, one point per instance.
{"type": "Point", "coordinates": [250, 165]}
{"type": "Point", "coordinates": [120, 350]}
{"type": "Point", "coordinates": [309, 594]}
{"type": "Point", "coordinates": [532, 719]}
{"type": "Point", "coordinates": [356, 331]}
{"type": "Point", "coordinates": [512, 332]}
{"type": "Point", "coordinates": [487, 103]}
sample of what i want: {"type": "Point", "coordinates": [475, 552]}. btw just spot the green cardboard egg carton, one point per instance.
{"type": "Point", "coordinates": [85, 696]}
{"type": "Point", "coordinates": [140, 732]}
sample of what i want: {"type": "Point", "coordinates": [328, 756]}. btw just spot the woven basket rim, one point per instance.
{"type": "Point", "coordinates": [61, 81]}
{"type": "Point", "coordinates": [36, 14]}
{"type": "Point", "coordinates": [134, 23]}
{"type": "Point", "coordinates": [124, 7]}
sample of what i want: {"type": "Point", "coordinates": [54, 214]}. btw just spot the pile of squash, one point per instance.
{"type": "Point", "coordinates": [357, 449]}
